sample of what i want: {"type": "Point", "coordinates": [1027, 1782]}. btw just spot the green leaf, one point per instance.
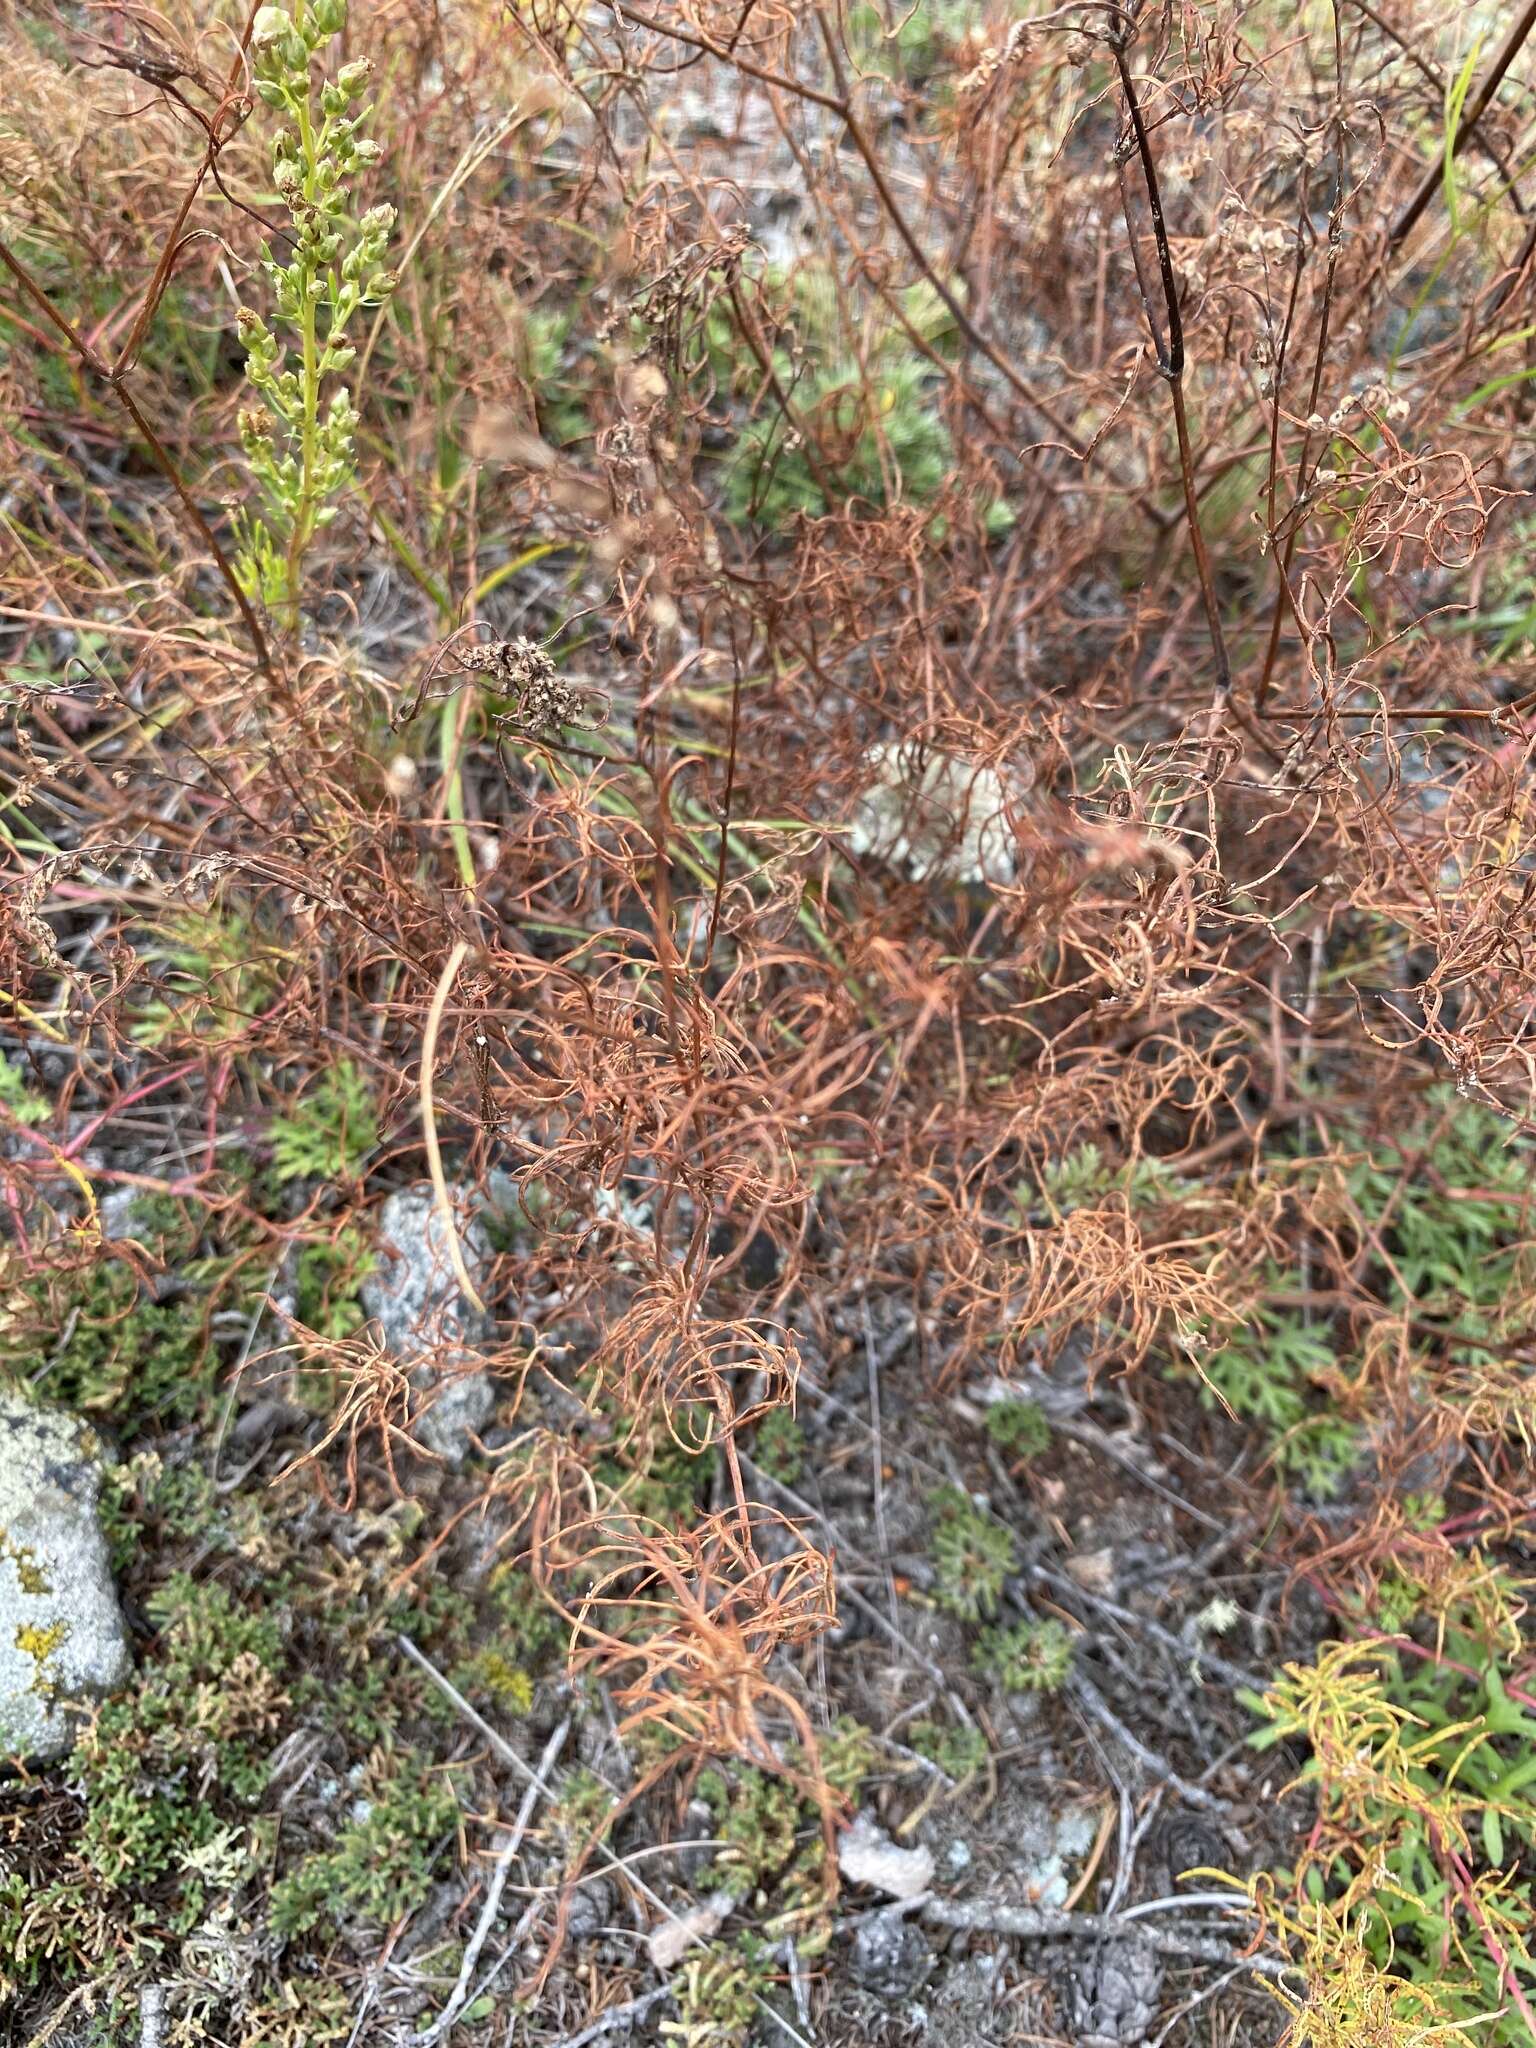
{"type": "Point", "coordinates": [1493, 1836]}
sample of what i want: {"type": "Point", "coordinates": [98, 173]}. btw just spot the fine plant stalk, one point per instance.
{"type": "Point", "coordinates": [1284, 597]}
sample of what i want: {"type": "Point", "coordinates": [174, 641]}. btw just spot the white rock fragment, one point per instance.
{"type": "Point", "coordinates": [867, 1855]}
{"type": "Point", "coordinates": [1094, 1570]}
{"type": "Point", "coordinates": [671, 1941]}
{"type": "Point", "coordinates": [62, 1640]}
{"type": "Point", "coordinates": [937, 815]}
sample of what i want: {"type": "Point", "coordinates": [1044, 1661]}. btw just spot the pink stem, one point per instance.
{"type": "Point", "coordinates": [19, 1223]}
{"type": "Point", "coordinates": [215, 1103]}
{"type": "Point", "coordinates": [1462, 1878]}
{"type": "Point", "coordinates": [1513, 1691]}
{"type": "Point", "coordinates": [153, 1086]}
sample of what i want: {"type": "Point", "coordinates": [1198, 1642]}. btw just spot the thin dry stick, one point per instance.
{"type": "Point", "coordinates": [1088, 1696]}
{"type": "Point", "coordinates": [1438, 82]}
{"type": "Point", "coordinates": [476, 1720]}
{"type": "Point", "coordinates": [840, 104]}
{"type": "Point", "coordinates": [85, 1993]}
{"type": "Point", "coordinates": [488, 1912]}
{"type": "Point", "coordinates": [1283, 596]}
{"type": "Point", "coordinates": [471, 160]}
{"type": "Point", "coordinates": [995, 355]}
{"type": "Point", "coordinates": [877, 1462]}
{"type": "Point", "coordinates": [617, 2016]}
{"type": "Point", "coordinates": [871, 1613]}
{"type": "Point", "coordinates": [1187, 1653]}
{"type": "Point", "coordinates": [235, 106]}
{"type": "Point", "coordinates": [152, 2016]}
{"type": "Point", "coordinates": [439, 1003]}
{"type": "Point", "coordinates": [733, 742]}
{"type": "Point", "coordinates": [1034, 1923]}
{"type": "Point", "coordinates": [1193, 2004]}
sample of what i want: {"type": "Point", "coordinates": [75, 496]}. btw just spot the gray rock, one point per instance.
{"type": "Point", "coordinates": [62, 1640]}
{"type": "Point", "coordinates": [413, 1290]}
{"type": "Point", "coordinates": [1112, 1994]}
{"type": "Point", "coordinates": [119, 1211]}
{"type": "Point", "coordinates": [426, 1321]}
{"type": "Point", "coordinates": [890, 1958]}
{"type": "Point", "coordinates": [459, 1411]}
{"type": "Point", "coordinates": [591, 1909]}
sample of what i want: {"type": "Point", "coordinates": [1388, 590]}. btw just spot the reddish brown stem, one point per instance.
{"type": "Point", "coordinates": [1466, 1891]}
{"type": "Point", "coordinates": [1284, 598]}
{"type": "Point", "coordinates": [1170, 356]}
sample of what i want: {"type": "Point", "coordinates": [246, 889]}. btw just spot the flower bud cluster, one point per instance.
{"type": "Point", "coordinates": [298, 439]}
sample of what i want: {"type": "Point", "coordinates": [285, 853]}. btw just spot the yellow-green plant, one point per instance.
{"type": "Point", "coordinates": [329, 1131]}
{"type": "Point", "coordinates": [1410, 1910]}
{"type": "Point", "coordinates": [299, 439]}
{"type": "Point", "coordinates": [718, 1993]}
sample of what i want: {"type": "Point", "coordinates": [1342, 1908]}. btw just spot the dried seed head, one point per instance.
{"type": "Point", "coordinates": [521, 671]}
{"type": "Point", "coordinates": [515, 665]}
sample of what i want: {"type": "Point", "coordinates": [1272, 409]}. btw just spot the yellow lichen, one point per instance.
{"type": "Point", "coordinates": [40, 1644]}
{"type": "Point", "coordinates": [508, 1685]}
{"type": "Point", "coordinates": [30, 1575]}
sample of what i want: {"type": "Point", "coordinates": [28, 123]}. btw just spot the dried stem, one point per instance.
{"type": "Point", "coordinates": [1170, 353]}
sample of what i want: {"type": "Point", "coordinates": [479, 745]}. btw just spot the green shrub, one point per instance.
{"type": "Point", "coordinates": [973, 1554]}
{"type": "Point", "coordinates": [384, 1859]}
{"type": "Point", "coordinates": [167, 1767]}
{"type": "Point", "coordinates": [127, 1356]}
{"type": "Point", "coordinates": [1438, 1217]}
{"type": "Point", "coordinates": [561, 412]}
{"type": "Point", "coordinates": [213, 974]}
{"type": "Point", "coordinates": [1085, 1177]}
{"type": "Point", "coordinates": [1019, 1428]}
{"type": "Point", "coordinates": [18, 1100]}
{"type": "Point", "coordinates": [1029, 1656]}
{"type": "Point", "coordinates": [1269, 1373]}
{"type": "Point", "coordinates": [960, 1753]}
{"type": "Point", "coordinates": [779, 1445]}
{"type": "Point", "coordinates": [890, 427]}
{"type": "Point", "coordinates": [326, 1279]}
{"type": "Point", "coordinates": [1416, 1880]}
{"type": "Point", "coordinates": [756, 1817]}
{"type": "Point", "coordinates": [718, 1994]}
{"type": "Point", "coordinates": [330, 1130]}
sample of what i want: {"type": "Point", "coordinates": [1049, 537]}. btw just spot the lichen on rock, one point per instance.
{"type": "Point", "coordinates": [62, 1640]}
